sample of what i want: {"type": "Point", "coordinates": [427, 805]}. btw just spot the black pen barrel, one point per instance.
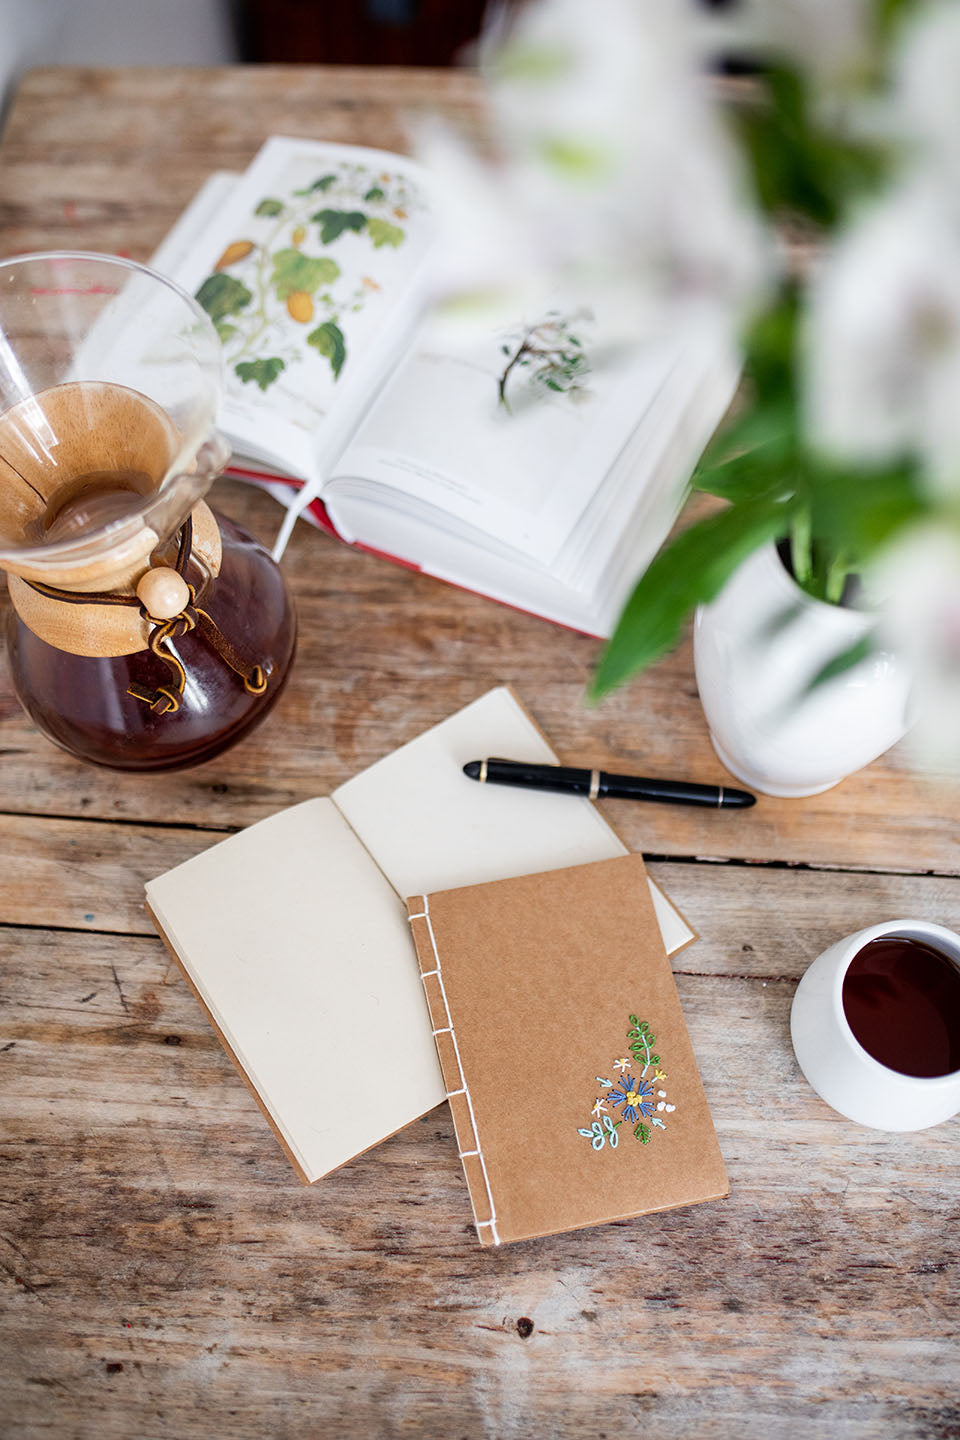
{"type": "Point", "coordinates": [671, 792]}
{"type": "Point", "coordinates": [539, 777]}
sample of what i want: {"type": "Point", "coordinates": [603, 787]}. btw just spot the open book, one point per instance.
{"type": "Point", "coordinates": [294, 935]}
{"type": "Point", "coordinates": [528, 463]}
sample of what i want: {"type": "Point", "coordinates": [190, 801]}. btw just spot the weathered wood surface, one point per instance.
{"type": "Point", "coordinates": [163, 1271]}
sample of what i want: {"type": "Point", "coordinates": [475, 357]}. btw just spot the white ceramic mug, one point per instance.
{"type": "Point", "coordinates": [836, 1064]}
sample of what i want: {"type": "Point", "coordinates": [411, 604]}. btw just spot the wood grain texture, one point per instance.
{"type": "Point", "coordinates": [164, 1273]}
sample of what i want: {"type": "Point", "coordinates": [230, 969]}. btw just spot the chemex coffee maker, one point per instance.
{"type": "Point", "coordinates": [146, 631]}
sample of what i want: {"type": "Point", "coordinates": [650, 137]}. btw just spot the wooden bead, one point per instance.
{"type": "Point", "coordinates": [163, 593]}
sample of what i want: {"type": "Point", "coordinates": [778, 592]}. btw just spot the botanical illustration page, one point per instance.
{"type": "Point", "coordinates": [309, 275]}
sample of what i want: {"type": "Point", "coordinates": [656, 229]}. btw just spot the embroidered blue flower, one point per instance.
{"type": "Point", "coordinates": [633, 1095]}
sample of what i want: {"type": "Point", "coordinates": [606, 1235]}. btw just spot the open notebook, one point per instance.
{"type": "Point", "coordinates": [294, 935]}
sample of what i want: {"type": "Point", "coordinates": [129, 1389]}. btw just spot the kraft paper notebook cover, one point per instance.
{"type": "Point", "coordinates": [569, 1071]}
{"type": "Point", "coordinates": [293, 934]}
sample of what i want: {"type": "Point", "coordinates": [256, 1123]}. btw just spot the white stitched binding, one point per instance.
{"type": "Point", "coordinates": [490, 1224]}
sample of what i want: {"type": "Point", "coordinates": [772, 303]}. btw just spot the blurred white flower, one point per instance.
{"type": "Point", "coordinates": [883, 336]}
{"type": "Point", "coordinates": [832, 40]}
{"type": "Point", "coordinates": [926, 90]}
{"type": "Point", "coordinates": [613, 179]}
{"type": "Point", "coordinates": [920, 580]}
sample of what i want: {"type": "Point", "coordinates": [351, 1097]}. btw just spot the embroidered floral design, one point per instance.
{"type": "Point", "coordinates": [601, 1132]}
{"type": "Point", "coordinates": [636, 1093]}
{"type": "Point", "coordinates": [634, 1096]}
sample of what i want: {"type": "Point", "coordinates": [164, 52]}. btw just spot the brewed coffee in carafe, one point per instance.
{"type": "Point", "coordinates": [145, 632]}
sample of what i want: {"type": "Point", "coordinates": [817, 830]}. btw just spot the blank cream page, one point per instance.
{"type": "Point", "coordinates": [430, 828]}
{"type": "Point", "coordinates": [301, 951]}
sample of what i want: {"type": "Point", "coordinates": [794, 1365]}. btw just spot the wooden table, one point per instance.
{"type": "Point", "coordinates": [164, 1273]}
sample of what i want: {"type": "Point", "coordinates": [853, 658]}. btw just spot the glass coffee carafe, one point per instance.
{"type": "Point", "coordinates": [146, 631]}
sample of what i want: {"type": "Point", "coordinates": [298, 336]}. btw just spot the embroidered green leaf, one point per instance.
{"type": "Point", "coordinates": [382, 233]}
{"type": "Point", "coordinates": [374, 193]}
{"type": "Point", "coordinates": [323, 183]}
{"type": "Point", "coordinates": [333, 223]}
{"type": "Point", "coordinates": [269, 207]}
{"type": "Point", "coordinates": [263, 372]}
{"type": "Point", "coordinates": [222, 295]}
{"type": "Point", "coordinates": [654, 1059]}
{"type": "Point", "coordinates": [328, 340]}
{"type": "Point", "coordinates": [294, 271]}
{"type": "Point", "coordinates": [634, 1020]}
{"type": "Point", "coordinates": [642, 1133]}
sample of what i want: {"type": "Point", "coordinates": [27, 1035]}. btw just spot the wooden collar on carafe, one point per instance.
{"type": "Point", "coordinates": [168, 603]}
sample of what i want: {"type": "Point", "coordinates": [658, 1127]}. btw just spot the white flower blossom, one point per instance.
{"type": "Point", "coordinates": [926, 93]}
{"type": "Point", "coordinates": [883, 336]}
{"type": "Point", "coordinates": [919, 579]}
{"type": "Point", "coordinates": [612, 174]}
{"type": "Point", "coordinates": [831, 39]}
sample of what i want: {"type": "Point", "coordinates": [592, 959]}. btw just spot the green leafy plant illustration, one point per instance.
{"type": "Point", "coordinates": [547, 355]}
{"type": "Point", "coordinates": [328, 340]}
{"type": "Point", "coordinates": [223, 295]}
{"type": "Point", "coordinates": [293, 271]}
{"type": "Point", "coordinates": [333, 223]}
{"type": "Point", "coordinates": [263, 371]}
{"type": "Point", "coordinates": [323, 183]}
{"type": "Point", "coordinates": [381, 232]}
{"type": "Point", "coordinates": [280, 277]}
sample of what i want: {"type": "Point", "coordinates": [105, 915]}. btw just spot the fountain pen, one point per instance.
{"type": "Point", "coordinates": [594, 783]}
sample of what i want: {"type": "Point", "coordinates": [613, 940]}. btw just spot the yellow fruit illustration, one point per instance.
{"type": "Point", "coordinates": [400, 214]}
{"type": "Point", "coordinates": [300, 306]}
{"type": "Point", "coordinates": [299, 234]}
{"type": "Point", "coordinates": [239, 250]}
{"type": "Point", "coordinates": [370, 284]}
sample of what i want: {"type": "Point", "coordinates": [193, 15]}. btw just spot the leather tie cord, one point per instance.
{"type": "Point", "coordinates": [169, 697]}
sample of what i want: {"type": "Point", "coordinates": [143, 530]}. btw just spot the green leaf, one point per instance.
{"type": "Point", "coordinates": [222, 295]}
{"type": "Point", "coordinates": [292, 271]}
{"type": "Point", "coordinates": [269, 207]}
{"type": "Point", "coordinates": [749, 455]}
{"type": "Point", "coordinates": [333, 223]}
{"type": "Point", "coordinates": [263, 371]}
{"type": "Point", "coordinates": [328, 339]}
{"type": "Point", "coordinates": [690, 571]}
{"type": "Point", "coordinates": [224, 329]}
{"type": "Point", "coordinates": [323, 183]}
{"type": "Point", "coordinates": [382, 233]}
{"type": "Point", "coordinates": [799, 165]}
{"type": "Point", "coordinates": [374, 193]}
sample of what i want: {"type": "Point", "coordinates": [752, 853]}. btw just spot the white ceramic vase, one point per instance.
{"type": "Point", "coordinates": [756, 649]}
